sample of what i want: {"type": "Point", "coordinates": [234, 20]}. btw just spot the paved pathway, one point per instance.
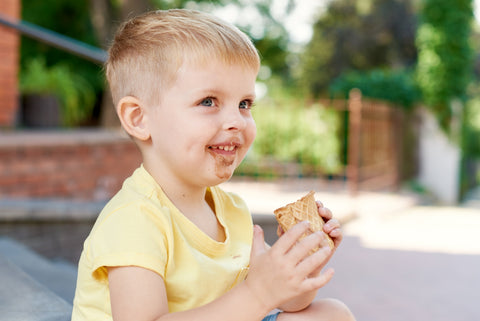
{"type": "Point", "coordinates": [400, 260]}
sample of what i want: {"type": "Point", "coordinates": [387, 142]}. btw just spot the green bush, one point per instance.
{"type": "Point", "coordinates": [471, 129]}
{"type": "Point", "coordinates": [290, 132]}
{"type": "Point", "coordinates": [397, 87]}
{"type": "Point", "coordinates": [76, 95]}
{"type": "Point", "coordinates": [71, 19]}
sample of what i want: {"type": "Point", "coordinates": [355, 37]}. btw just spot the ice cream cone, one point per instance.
{"type": "Point", "coordinates": [305, 209]}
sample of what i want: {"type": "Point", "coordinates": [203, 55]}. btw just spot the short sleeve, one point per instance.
{"type": "Point", "coordinates": [133, 235]}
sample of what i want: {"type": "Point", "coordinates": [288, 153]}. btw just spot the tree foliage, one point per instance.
{"type": "Point", "coordinates": [70, 18]}
{"type": "Point", "coordinates": [95, 21]}
{"type": "Point", "coordinates": [397, 87]}
{"type": "Point", "coordinates": [359, 35]}
{"type": "Point", "coordinates": [445, 56]}
{"type": "Point", "coordinates": [286, 125]}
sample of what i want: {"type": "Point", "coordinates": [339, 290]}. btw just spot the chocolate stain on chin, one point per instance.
{"type": "Point", "coordinates": [222, 167]}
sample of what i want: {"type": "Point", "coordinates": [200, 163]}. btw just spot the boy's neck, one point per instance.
{"type": "Point", "coordinates": [187, 198]}
{"type": "Point", "coordinates": [200, 210]}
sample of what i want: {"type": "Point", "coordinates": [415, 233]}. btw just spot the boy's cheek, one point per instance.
{"type": "Point", "coordinates": [253, 132]}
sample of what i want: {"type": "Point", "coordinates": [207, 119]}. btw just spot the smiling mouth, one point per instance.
{"type": "Point", "coordinates": [228, 148]}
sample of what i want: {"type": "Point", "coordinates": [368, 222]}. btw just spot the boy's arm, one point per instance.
{"type": "Point", "coordinates": [139, 294]}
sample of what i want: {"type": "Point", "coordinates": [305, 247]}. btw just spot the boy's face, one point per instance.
{"type": "Point", "coordinates": [202, 127]}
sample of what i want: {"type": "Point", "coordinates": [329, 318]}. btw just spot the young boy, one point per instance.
{"type": "Point", "coordinates": [171, 245]}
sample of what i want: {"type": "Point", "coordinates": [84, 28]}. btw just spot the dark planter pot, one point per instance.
{"type": "Point", "coordinates": [41, 111]}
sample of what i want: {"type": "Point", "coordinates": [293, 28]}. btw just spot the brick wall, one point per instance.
{"type": "Point", "coordinates": [9, 56]}
{"type": "Point", "coordinates": [83, 165]}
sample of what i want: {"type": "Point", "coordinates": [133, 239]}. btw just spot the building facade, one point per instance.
{"type": "Point", "coordinates": [9, 64]}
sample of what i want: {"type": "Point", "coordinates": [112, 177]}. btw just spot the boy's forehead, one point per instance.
{"type": "Point", "coordinates": [191, 64]}
{"type": "Point", "coordinates": [214, 69]}
{"type": "Point", "coordinates": [214, 78]}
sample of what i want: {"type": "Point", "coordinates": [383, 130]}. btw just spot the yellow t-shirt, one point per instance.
{"type": "Point", "coordinates": [141, 227]}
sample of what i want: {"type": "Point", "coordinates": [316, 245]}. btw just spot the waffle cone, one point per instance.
{"type": "Point", "coordinates": [305, 209]}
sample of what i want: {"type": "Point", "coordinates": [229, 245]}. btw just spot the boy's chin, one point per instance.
{"type": "Point", "coordinates": [224, 177]}
{"type": "Point", "coordinates": [221, 177]}
{"type": "Point", "coordinates": [223, 170]}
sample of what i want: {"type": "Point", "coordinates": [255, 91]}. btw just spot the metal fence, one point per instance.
{"type": "Point", "coordinates": [375, 144]}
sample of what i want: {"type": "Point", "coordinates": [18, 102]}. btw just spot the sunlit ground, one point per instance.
{"type": "Point", "coordinates": [380, 220]}
{"type": "Point", "coordinates": [452, 230]}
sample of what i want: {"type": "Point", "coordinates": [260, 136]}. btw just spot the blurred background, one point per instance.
{"type": "Point", "coordinates": [375, 104]}
{"type": "Point", "coordinates": [414, 63]}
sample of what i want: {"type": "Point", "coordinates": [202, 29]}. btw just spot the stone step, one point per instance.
{"type": "Point", "coordinates": [58, 276]}
{"type": "Point", "coordinates": [22, 298]}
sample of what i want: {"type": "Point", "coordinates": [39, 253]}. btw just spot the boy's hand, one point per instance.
{"type": "Point", "coordinates": [286, 270]}
{"type": "Point", "coordinates": [331, 226]}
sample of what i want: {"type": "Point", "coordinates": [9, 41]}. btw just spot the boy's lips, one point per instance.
{"type": "Point", "coordinates": [224, 153]}
{"type": "Point", "coordinates": [228, 148]}
{"type": "Point", "coordinates": [225, 148]}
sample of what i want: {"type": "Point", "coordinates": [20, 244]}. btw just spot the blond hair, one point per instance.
{"type": "Point", "coordinates": [148, 50]}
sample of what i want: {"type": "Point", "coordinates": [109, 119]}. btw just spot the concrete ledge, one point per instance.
{"type": "Point", "coordinates": [15, 139]}
{"type": "Point", "coordinates": [59, 277]}
{"type": "Point", "coordinates": [22, 298]}
{"type": "Point", "coordinates": [49, 210]}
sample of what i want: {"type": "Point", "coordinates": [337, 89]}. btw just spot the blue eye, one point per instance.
{"type": "Point", "coordinates": [208, 102]}
{"type": "Point", "coordinates": [245, 104]}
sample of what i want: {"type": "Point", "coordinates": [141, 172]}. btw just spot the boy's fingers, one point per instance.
{"type": "Point", "coordinates": [325, 213]}
{"type": "Point", "coordinates": [314, 261]}
{"type": "Point", "coordinates": [331, 225]}
{"type": "Point", "coordinates": [304, 247]}
{"type": "Point", "coordinates": [319, 281]}
{"type": "Point", "coordinates": [280, 231]}
{"type": "Point", "coordinates": [290, 237]}
{"type": "Point", "coordinates": [336, 233]}
{"type": "Point", "coordinates": [258, 244]}
{"type": "Point", "coordinates": [337, 236]}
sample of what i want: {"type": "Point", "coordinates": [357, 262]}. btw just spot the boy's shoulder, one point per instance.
{"type": "Point", "coordinates": [131, 185]}
{"type": "Point", "coordinates": [228, 197]}
{"type": "Point", "coordinates": [139, 193]}
{"type": "Point", "coordinates": [132, 213]}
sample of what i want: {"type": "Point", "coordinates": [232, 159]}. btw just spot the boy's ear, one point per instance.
{"type": "Point", "coordinates": [131, 112]}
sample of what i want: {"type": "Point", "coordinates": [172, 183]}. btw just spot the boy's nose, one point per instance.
{"type": "Point", "coordinates": [235, 121]}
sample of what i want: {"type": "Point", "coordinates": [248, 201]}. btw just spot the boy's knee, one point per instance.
{"type": "Point", "coordinates": [337, 310]}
